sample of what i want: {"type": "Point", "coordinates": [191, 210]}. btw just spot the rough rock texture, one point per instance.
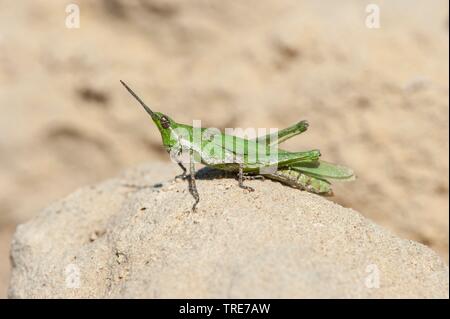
{"type": "Point", "coordinates": [376, 99]}
{"type": "Point", "coordinates": [112, 240]}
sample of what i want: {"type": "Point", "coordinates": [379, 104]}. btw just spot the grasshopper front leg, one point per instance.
{"type": "Point", "coordinates": [183, 175]}
{"type": "Point", "coordinates": [241, 179]}
{"type": "Point", "coordinates": [192, 185]}
{"type": "Point", "coordinates": [191, 177]}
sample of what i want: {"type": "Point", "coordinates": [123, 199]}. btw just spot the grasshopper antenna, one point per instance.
{"type": "Point", "coordinates": [149, 111]}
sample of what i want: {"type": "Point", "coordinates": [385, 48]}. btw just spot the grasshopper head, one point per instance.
{"type": "Point", "coordinates": [162, 121]}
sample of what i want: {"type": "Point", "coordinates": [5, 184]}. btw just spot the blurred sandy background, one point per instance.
{"type": "Point", "coordinates": [376, 99]}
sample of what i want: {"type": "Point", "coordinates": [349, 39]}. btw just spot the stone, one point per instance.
{"type": "Point", "coordinates": [116, 240]}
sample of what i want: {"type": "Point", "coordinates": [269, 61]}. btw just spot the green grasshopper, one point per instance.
{"type": "Point", "coordinates": [249, 158]}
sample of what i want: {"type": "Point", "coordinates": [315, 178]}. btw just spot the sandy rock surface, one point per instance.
{"type": "Point", "coordinates": [111, 240]}
{"type": "Point", "coordinates": [376, 99]}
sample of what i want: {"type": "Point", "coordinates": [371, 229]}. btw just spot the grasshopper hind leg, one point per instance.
{"type": "Point", "coordinates": [249, 177]}
{"type": "Point", "coordinates": [298, 179]}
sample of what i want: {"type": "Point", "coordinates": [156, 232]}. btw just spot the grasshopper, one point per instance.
{"type": "Point", "coordinates": [302, 170]}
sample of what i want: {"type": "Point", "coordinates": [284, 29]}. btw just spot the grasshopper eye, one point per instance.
{"type": "Point", "coordinates": [165, 123]}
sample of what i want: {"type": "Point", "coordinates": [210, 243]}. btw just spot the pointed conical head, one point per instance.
{"type": "Point", "coordinates": [162, 121]}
